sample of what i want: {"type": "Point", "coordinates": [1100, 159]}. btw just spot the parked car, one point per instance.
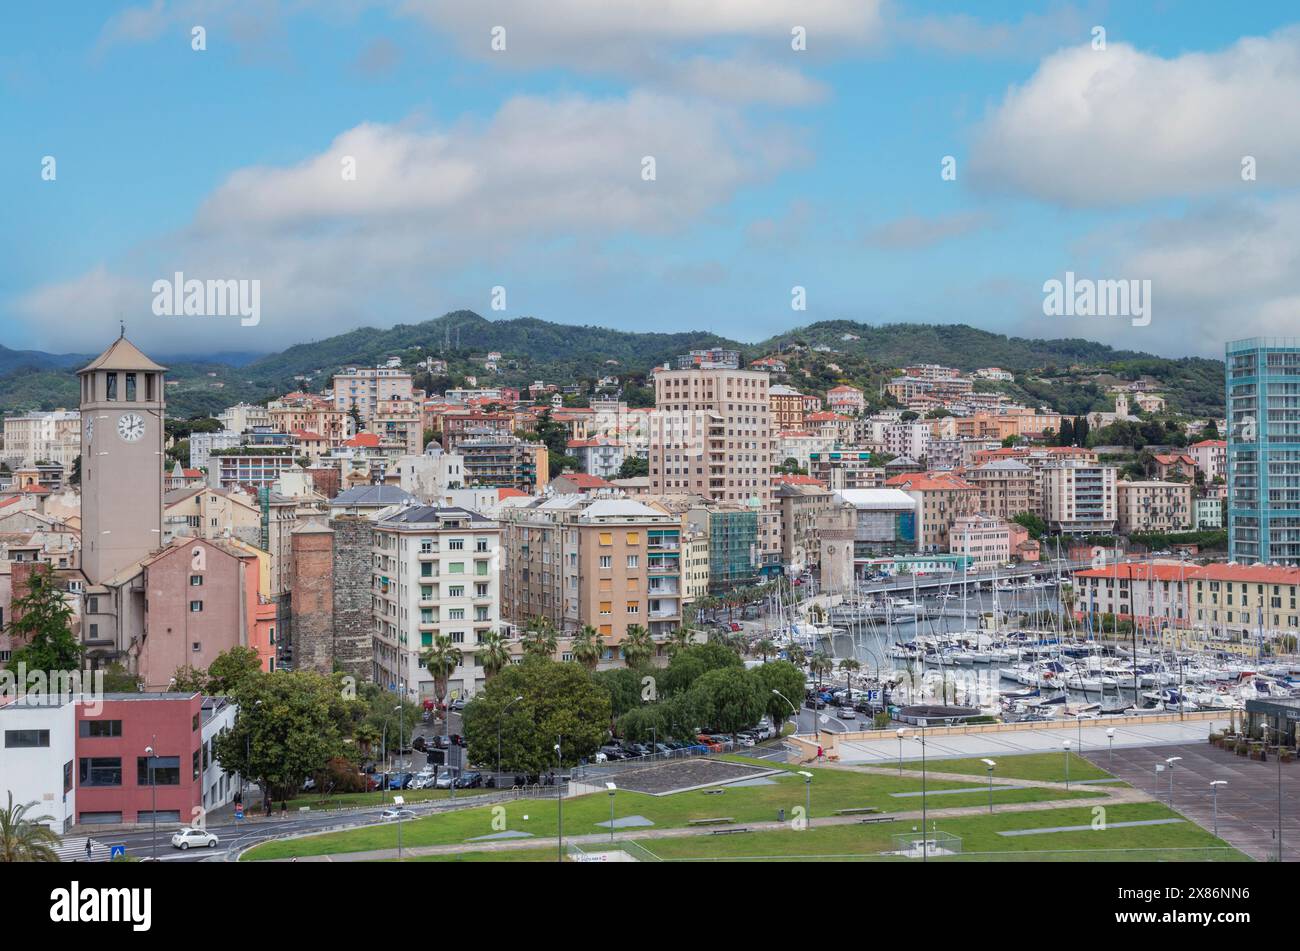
{"type": "Point", "coordinates": [814, 703]}
{"type": "Point", "coordinates": [638, 749]}
{"type": "Point", "coordinates": [445, 778]}
{"type": "Point", "coordinates": [470, 780]}
{"type": "Point", "coordinates": [456, 705]}
{"type": "Point", "coordinates": [392, 815]}
{"type": "Point", "coordinates": [847, 713]}
{"type": "Point", "coordinates": [189, 837]}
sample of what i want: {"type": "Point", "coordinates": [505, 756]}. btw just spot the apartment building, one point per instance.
{"type": "Point", "coordinates": [845, 399]}
{"type": "Point", "coordinates": [202, 445]}
{"type": "Point", "coordinates": [711, 435]}
{"type": "Point", "coordinates": [1243, 604]}
{"type": "Point", "coordinates": [787, 407]}
{"type": "Point", "coordinates": [1007, 488]}
{"type": "Point", "coordinates": [1211, 457]}
{"type": "Point", "coordinates": [984, 541]}
{"type": "Point", "coordinates": [941, 499]}
{"type": "Point", "coordinates": [578, 560]}
{"type": "Point", "coordinates": [845, 469]}
{"type": "Point", "coordinates": [244, 416]}
{"type": "Point", "coordinates": [1154, 506]}
{"type": "Point", "coordinates": [435, 572]}
{"type": "Point", "coordinates": [42, 437]}
{"type": "Point", "coordinates": [504, 461]}
{"type": "Point", "coordinates": [1078, 498]}
{"type": "Point", "coordinates": [908, 439]}
{"type": "Point", "coordinates": [1152, 595]}
{"type": "Point", "coordinates": [399, 422]}
{"type": "Point", "coordinates": [366, 387]}
{"type": "Point", "coordinates": [802, 504]}
{"type": "Point", "coordinates": [307, 414]}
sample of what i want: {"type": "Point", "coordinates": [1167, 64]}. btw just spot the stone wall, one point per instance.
{"type": "Point", "coordinates": [353, 616]}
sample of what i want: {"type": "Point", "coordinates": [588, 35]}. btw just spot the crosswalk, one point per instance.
{"type": "Point", "coordinates": [73, 849]}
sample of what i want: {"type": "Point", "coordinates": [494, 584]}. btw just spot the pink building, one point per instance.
{"type": "Point", "coordinates": [1211, 457]}
{"type": "Point", "coordinates": [845, 399]}
{"type": "Point", "coordinates": [113, 777]}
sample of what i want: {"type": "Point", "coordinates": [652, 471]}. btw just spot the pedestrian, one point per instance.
{"type": "Point", "coordinates": [88, 849]}
{"type": "Point", "coordinates": [284, 809]}
{"type": "Point", "coordinates": [819, 754]}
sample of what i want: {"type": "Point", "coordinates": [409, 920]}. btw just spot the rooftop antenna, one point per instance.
{"type": "Point", "coordinates": [122, 325]}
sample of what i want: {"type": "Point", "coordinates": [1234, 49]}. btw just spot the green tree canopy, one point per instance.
{"type": "Point", "coordinates": [43, 625]}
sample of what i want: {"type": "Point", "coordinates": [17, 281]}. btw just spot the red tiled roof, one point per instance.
{"type": "Point", "coordinates": [508, 493]}
{"type": "Point", "coordinates": [927, 482]}
{"type": "Point", "coordinates": [584, 481]}
{"type": "Point", "coordinates": [1209, 442]}
{"type": "Point", "coordinates": [797, 480]}
{"type": "Point", "coordinates": [363, 441]}
{"type": "Point", "coordinates": [1262, 574]}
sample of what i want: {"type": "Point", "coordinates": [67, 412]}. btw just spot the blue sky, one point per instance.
{"type": "Point", "coordinates": [521, 168]}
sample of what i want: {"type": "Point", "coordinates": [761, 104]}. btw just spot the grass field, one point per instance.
{"type": "Point", "coordinates": [832, 790]}
{"type": "Point", "coordinates": [378, 799]}
{"type": "Point", "coordinates": [1040, 767]}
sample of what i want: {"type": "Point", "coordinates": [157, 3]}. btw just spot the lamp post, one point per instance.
{"type": "Point", "coordinates": [559, 800]}
{"type": "Point", "coordinates": [153, 791]}
{"type": "Point", "coordinates": [807, 786]}
{"type": "Point", "coordinates": [793, 708]}
{"type": "Point", "coordinates": [1170, 763]}
{"type": "Point", "coordinates": [1110, 737]}
{"type": "Point", "coordinates": [1065, 746]}
{"type": "Point", "coordinates": [989, 764]}
{"type": "Point", "coordinates": [1214, 787]}
{"type": "Point", "coordinates": [1279, 734]}
{"type": "Point", "coordinates": [1078, 719]}
{"type": "Point", "coordinates": [900, 733]}
{"type": "Point", "coordinates": [925, 844]}
{"type": "Point", "coordinates": [500, 719]}
{"type": "Point", "coordinates": [612, 790]}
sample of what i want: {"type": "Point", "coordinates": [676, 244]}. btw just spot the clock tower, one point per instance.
{"type": "Point", "coordinates": [121, 460]}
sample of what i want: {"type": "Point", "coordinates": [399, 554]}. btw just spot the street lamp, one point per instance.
{"type": "Point", "coordinates": [925, 850]}
{"type": "Point", "coordinates": [1170, 763]}
{"type": "Point", "coordinates": [1110, 736]}
{"type": "Point", "coordinates": [1214, 787]}
{"type": "Point", "coordinates": [900, 733]}
{"type": "Point", "coordinates": [500, 718]}
{"type": "Point", "coordinates": [793, 708]}
{"type": "Point", "coordinates": [153, 790]}
{"type": "Point", "coordinates": [559, 800]}
{"type": "Point", "coordinates": [612, 790]}
{"type": "Point", "coordinates": [989, 764]}
{"type": "Point", "coordinates": [1065, 745]}
{"type": "Point", "coordinates": [1078, 719]}
{"type": "Point", "coordinates": [807, 785]}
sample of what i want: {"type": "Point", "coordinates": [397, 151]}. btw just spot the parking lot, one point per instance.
{"type": "Point", "coordinates": [1248, 804]}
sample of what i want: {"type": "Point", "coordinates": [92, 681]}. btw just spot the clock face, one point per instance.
{"type": "Point", "coordinates": [130, 426]}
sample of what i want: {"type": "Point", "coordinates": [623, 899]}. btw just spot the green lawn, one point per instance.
{"type": "Point", "coordinates": [1041, 767]}
{"type": "Point", "coordinates": [979, 837]}
{"type": "Point", "coordinates": [832, 790]}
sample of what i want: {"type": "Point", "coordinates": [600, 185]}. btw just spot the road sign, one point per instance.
{"type": "Point", "coordinates": [239, 810]}
{"type": "Point", "coordinates": [117, 851]}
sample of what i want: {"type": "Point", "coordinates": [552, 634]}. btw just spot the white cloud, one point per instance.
{"type": "Point", "coordinates": [915, 231]}
{"type": "Point", "coordinates": [1106, 127]}
{"type": "Point", "coordinates": [430, 210]}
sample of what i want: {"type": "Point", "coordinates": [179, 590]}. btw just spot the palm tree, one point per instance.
{"type": "Point", "coordinates": [796, 655]}
{"type": "Point", "coordinates": [680, 639]}
{"type": "Point", "coordinates": [820, 665]}
{"type": "Point", "coordinates": [637, 645]}
{"type": "Point", "coordinates": [540, 638]}
{"type": "Point", "coordinates": [588, 647]}
{"type": "Point", "coordinates": [765, 647]}
{"type": "Point", "coordinates": [441, 658]}
{"type": "Point", "coordinates": [848, 667]}
{"type": "Point", "coordinates": [24, 839]}
{"type": "Point", "coordinates": [493, 653]}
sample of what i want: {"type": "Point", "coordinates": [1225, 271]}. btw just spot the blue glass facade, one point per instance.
{"type": "Point", "coordinates": [1263, 405]}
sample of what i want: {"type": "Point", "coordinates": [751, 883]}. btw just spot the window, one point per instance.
{"type": "Point", "coordinates": [26, 739]}
{"type": "Point", "coordinates": [606, 561]}
{"type": "Point", "coordinates": [634, 538]}
{"type": "Point", "coordinates": [456, 568]}
{"type": "Point", "coordinates": [633, 561]}
{"type": "Point", "coordinates": [196, 580]}
{"type": "Point", "coordinates": [96, 729]}
{"type": "Point", "coordinates": [607, 538]}
{"type": "Point", "coordinates": [166, 770]}
{"type": "Point", "coordinates": [92, 605]}
{"type": "Point", "coordinates": [110, 386]}
{"type": "Point", "coordinates": [100, 771]}
{"type": "Point", "coordinates": [456, 544]}
{"type": "Point", "coordinates": [130, 387]}
{"type": "Point", "coordinates": [606, 607]}
{"type": "Point", "coordinates": [456, 591]}
{"type": "Point", "coordinates": [196, 607]}
{"type": "Point", "coordinates": [480, 567]}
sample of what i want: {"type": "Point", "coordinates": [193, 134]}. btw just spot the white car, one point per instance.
{"type": "Point", "coordinates": [847, 713]}
{"type": "Point", "coordinates": [392, 815]}
{"type": "Point", "coordinates": [188, 838]}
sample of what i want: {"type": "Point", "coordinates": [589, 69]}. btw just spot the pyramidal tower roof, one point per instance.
{"type": "Point", "coordinates": [122, 355]}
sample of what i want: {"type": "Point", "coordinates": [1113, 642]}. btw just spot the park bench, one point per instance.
{"type": "Point", "coordinates": [728, 831]}
{"type": "Point", "coordinates": [868, 819]}
{"type": "Point", "coordinates": [856, 811]}
{"type": "Point", "coordinates": [710, 822]}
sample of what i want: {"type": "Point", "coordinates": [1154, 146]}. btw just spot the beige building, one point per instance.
{"type": "Point", "coordinates": [399, 422]}
{"type": "Point", "coordinates": [200, 511]}
{"type": "Point", "coordinates": [787, 408]}
{"type": "Point", "coordinates": [1079, 497]}
{"type": "Point", "coordinates": [985, 541]}
{"type": "Point", "coordinates": [1007, 488]}
{"type": "Point", "coordinates": [1154, 506]}
{"type": "Point", "coordinates": [366, 387]}
{"type": "Point", "coordinates": [42, 437]}
{"type": "Point", "coordinates": [605, 562]}
{"type": "Point", "coordinates": [940, 500]}
{"type": "Point", "coordinates": [310, 415]}
{"type": "Point", "coordinates": [711, 435]}
{"type": "Point", "coordinates": [802, 503]}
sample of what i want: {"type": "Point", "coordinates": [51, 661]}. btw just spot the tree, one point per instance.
{"type": "Point", "coordinates": [791, 467]}
{"type": "Point", "coordinates": [42, 623]}
{"type": "Point", "coordinates": [493, 653]}
{"type": "Point", "coordinates": [560, 700]}
{"type": "Point", "coordinates": [231, 668]}
{"type": "Point", "coordinates": [848, 667]}
{"type": "Point", "coordinates": [1211, 430]}
{"type": "Point", "coordinates": [588, 647]}
{"type": "Point", "coordinates": [189, 679]}
{"type": "Point", "coordinates": [820, 665]}
{"type": "Point", "coordinates": [289, 726]}
{"type": "Point", "coordinates": [540, 638]}
{"type": "Point", "coordinates": [691, 663]}
{"type": "Point", "coordinates": [634, 467]}
{"type": "Point", "coordinates": [24, 838]}
{"type": "Point", "coordinates": [765, 647]}
{"type": "Point", "coordinates": [788, 679]}
{"type": "Point", "coordinates": [679, 640]}
{"type": "Point", "coordinates": [728, 699]}
{"type": "Point", "coordinates": [1033, 522]}
{"type": "Point", "coordinates": [441, 659]}
{"type": "Point", "coordinates": [637, 646]}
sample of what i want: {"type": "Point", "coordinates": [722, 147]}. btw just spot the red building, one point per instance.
{"type": "Point", "coordinates": [113, 778]}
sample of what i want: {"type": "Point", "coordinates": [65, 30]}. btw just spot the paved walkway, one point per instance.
{"type": "Point", "coordinates": [938, 746]}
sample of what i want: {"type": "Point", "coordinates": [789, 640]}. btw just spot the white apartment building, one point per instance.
{"type": "Point", "coordinates": [985, 541]}
{"type": "Point", "coordinates": [244, 416]}
{"type": "Point", "coordinates": [43, 437]}
{"type": "Point", "coordinates": [39, 755]}
{"type": "Point", "coordinates": [435, 572]}
{"type": "Point", "coordinates": [431, 475]}
{"type": "Point", "coordinates": [908, 439]}
{"type": "Point", "coordinates": [365, 388]}
{"type": "Point", "coordinates": [1079, 498]}
{"type": "Point", "coordinates": [203, 444]}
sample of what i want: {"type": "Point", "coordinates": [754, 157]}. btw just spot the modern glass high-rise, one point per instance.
{"type": "Point", "coordinates": [1263, 394]}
